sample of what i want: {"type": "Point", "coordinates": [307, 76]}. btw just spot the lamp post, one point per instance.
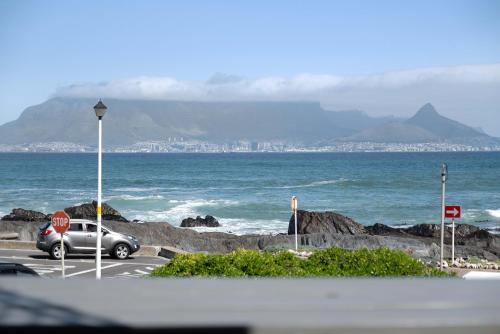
{"type": "Point", "coordinates": [444, 177]}
{"type": "Point", "coordinates": [294, 205]}
{"type": "Point", "coordinates": [100, 110]}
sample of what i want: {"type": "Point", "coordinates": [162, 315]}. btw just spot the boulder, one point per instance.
{"type": "Point", "coordinates": [324, 222]}
{"type": "Point", "coordinates": [463, 230]}
{"type": "Point", "coordinates": [208, 221]}
{"type": "Point", "coordinates": [434, 230]}
{"type": "Point", "coordinates": [425, 230]}
{"type": "Point", "coordinates": [26, 215]}
{"type": "Point", "coordinates": [89, 211]}
{"type": "Point", "coordinates": [381, 229]}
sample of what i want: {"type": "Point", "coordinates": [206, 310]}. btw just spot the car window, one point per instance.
{"type": "Point", "coordinates": [91, 228]}
{"type": "Point", "coordinates": [44, 226]}
{"type": "Point", "coordinates": [76, 227]}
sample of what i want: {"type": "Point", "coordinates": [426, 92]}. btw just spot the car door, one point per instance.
{"type": "Point", "coordinates": [76, 236]}
{"type": "Point", "coordinates": [92, 238]}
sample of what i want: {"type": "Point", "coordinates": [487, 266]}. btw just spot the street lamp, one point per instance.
{"type": "Point", "coordinates": [100, 110]}
{"type": "Point", "coordinates": [444, 177]}
{"type": "Point", "coordinates": [294, 205]}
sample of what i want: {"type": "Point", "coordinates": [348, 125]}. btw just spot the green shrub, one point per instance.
{"type": "Point", "coordinates": [333, 261]}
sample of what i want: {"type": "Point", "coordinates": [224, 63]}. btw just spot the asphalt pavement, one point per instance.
{"type": "Point", "coordinates": [82, 266]}
{"type": "Point", "coordinates": [252, 306]}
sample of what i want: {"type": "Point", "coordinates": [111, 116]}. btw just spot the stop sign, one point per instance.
{"type": "Point", "coordinates": [60, 221]}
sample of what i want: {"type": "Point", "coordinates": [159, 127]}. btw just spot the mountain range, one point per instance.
{"type": "Point", "coordinates": [130, 121]}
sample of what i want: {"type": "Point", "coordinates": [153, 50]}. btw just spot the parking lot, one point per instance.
{"type": "Point", "coordinates": [82, 266]}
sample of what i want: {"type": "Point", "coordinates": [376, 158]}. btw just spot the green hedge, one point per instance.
{"type": "Point", "coordinates": [333, 261]}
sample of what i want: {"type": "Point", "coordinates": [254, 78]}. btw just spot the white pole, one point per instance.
{"type": "Point", "coordinates": [452, 241]}
{"type": "Point", "coordinates": [99, 210]}
{"type": "Point", "coordinates": [62, 256]}
{"type": "Point", "coordinates": [294, 204]}
{"type": "Point", "coordinates": [443, 182]}
{"type": "Point", "coordinates": [296, 236]}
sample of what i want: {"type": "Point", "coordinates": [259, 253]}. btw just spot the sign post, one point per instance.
{"type": "Point", "coordinates": [60, 223]}
{"type": "Point", "coordinates": [444, 177]}
{"type": "Point", "coordinates": [294, 210]}
{"type": "Point", "coordinates": [452, 211]}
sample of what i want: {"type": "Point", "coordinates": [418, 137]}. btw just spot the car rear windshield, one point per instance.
{"type": "Point", "coordinates": [44, 226]}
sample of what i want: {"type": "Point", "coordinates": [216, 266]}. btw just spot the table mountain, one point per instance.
{"type": "Point", "coordinates": [131, 121]}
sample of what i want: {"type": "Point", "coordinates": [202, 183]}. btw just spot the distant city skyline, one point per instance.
{"type": "Point", "coordinates": [386, 58]}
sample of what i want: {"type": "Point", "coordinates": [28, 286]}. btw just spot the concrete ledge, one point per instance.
{"type": "Point", "coordinates": [169, 252]}
{"type": "Point", "coordinates": [148, 251]}
{"type": "Point", "coordinates": [9, 236]}
{"type": "Point", "coordinates": [15, 244]}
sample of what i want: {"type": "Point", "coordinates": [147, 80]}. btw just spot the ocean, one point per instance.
{"type": "Point", "coordinates": [250, 192]}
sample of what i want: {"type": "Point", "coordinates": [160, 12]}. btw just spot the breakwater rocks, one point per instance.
{"type": "Point", "coordinates": [84, 211]}
{"type": "Point", "coordinates": [316, 230]}
{"type": "Point", "coordinates": [89, 211]}
{"type": "Point", "coordinates": [26, 215]}
{"type": "Point", "coordinates": [310, 222]}
{"type": "Point", "coordinates": [208, 221]}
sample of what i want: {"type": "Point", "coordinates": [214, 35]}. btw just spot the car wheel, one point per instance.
{"type": "Point", "coordinates": [121, 251]}
{"type": "Point", "coordinates": [55, 251]}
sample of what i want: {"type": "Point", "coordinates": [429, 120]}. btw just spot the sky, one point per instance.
{"type": "Point", "coordinates": [382, 57]}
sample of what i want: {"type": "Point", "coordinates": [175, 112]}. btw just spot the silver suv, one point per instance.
{"type": "Point", "coordinates": [81, 238]}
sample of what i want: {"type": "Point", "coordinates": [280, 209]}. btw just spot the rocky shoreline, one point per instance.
{"type": "Point", "coordinates": [316, 230]}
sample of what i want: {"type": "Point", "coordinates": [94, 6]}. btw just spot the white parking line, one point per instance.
{"type": "Point", "coordinates": [91, 270]}
{"type": "Point", "coordinates": [141, 272]}
{"type": "Point", "coordinates": [43, 271]}
{"type": "Point", "coordinates": [46, 266]}
{"type": "Point", "coordinates": [149, 268]}
{"type": "Point", "coordinates": [67, 260]}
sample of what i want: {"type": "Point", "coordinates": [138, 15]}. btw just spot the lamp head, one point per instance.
{"type": "Point", "coordinates": [100, 109]}
{"type": "Point", "coordinates": [444, 172]}
{"type": "Point", "coordinates": [294, 203]}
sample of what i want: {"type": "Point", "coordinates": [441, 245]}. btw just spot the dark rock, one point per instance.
{"type": "Point", "coordinates": [482, 239]}
{"type": "Point", "coordinates": [434, 230]}
{"type": "Point", "coordinates": [208, 221]}
{"type": "Point", "coordinates": [26, 215]}
{"type": "Point", "coordinates": [381, 229]}
{"type": "Point", "coordinates": [425, 230]}
{"type": "Point", "coordinates": [89, 211]}
{"type": "Point", "coordinates": [324, 222]}
{"type": "Point", "coordinates": [463, 230]}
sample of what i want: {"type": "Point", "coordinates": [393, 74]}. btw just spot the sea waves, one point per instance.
{"type": "Point", "coordinates": [126, 197]}
{"type": "Point", "coordinates": [311, 184]}
{"type": "Point", "coordinates": [240, 226]}
{"type": "Point", "coordinates": [494, 213]}
{"type": "Point", "coordinates": [136, 189]}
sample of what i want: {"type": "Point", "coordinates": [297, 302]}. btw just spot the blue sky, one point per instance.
{"type": "Point", "coordinates": [49, 45]}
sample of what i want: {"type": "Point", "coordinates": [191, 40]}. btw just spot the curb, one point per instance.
{"type": "Point", "coordinates": [15, 244]}
{"type": "Point", "coordinates": [163, 251]}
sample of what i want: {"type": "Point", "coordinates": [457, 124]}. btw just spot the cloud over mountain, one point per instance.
{"type": "Point", "coordinates": [468, 93]}
{"type": "Point", "coordinates": [223, 87]}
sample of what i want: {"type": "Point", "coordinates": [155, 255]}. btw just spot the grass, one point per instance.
{"type": "Point", "coordinates": [331, 262]}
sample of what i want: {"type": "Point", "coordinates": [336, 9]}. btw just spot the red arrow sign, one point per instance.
{"type": "Point", "coordinates": [452, 211]}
